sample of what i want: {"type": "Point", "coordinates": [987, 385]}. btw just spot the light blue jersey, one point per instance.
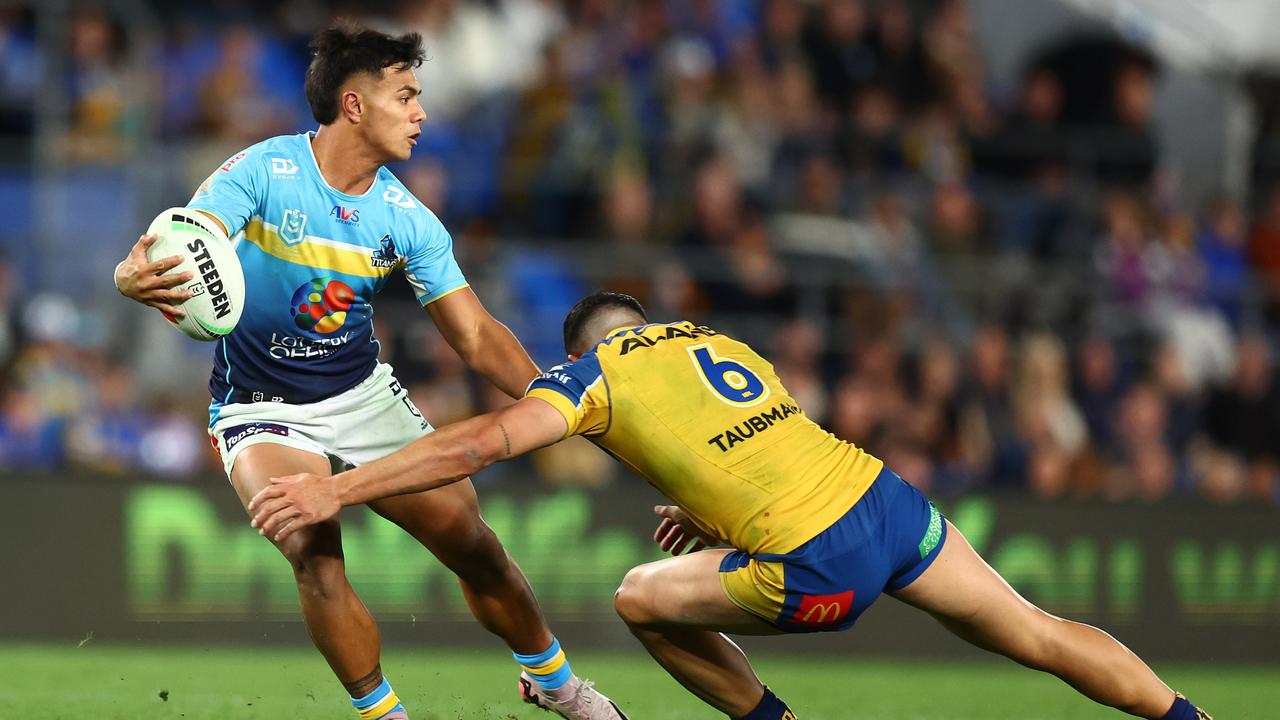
{"type": "Point", "coordinates": [313, 259]}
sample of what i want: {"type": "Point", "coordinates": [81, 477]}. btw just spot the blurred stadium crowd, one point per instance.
{"type": "Point", "coordinates": [990, 288]}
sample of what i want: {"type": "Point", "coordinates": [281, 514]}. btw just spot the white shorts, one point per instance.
{"type": "Point", "coordinates": [369, 421]}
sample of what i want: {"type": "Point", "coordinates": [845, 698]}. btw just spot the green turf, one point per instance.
{"type": "Point", "coordinates": [104, 683]}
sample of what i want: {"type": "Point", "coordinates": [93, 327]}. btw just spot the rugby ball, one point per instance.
{"type": "Point", "coordinates": [217, 282]}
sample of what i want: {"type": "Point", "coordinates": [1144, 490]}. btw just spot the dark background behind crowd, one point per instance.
{"type": "Point", "coordinates": [991, 284]}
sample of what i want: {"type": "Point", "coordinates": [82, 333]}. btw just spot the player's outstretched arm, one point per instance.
{"type": "Point", "coordinates": [485, 344]}
{"type": "Point", "coordinates": [447, 455]}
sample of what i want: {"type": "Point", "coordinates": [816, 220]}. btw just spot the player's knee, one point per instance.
{"type": "Point", "coordinates": [315, 554]}
{"type": "Point", "coordinates": [633, 599]}
{"type": "Point", "coordinates": [477, 556]}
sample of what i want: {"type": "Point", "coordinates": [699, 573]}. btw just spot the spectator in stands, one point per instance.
{"type": "Point", "coordinates": [988, 421]}
{"type": "Point", "coordinates": [840, 54]}
{"type": "Point", "coordinates": [900, 58]}
{"type": "Point", "coordinates": [11, 336]}
{"type": "Point", "coordinates": [797, 351]}
{"type": "Point", "coordinates": [1263, 252]}
{"type": "Point", "coordinates": [20, 72]}
{"type": "Point", "coordinates": [1098, 385]}
{"type": "Point", "coordinates": [1221, 243]}
{"type": "Point", "coordinates": [107, 435]}
{"type": "Point", "coordinates": [237, 99]}
{"type": "Point", "coordinates": [1129, 151]}
{"type": "Point", "coordinates": [932, 417]}
{"type": "Point", "coordinates": [872, 146]}
{"type": "Point", "coordinates": [780, 39]}
{"type": "Point", "coordinates": [1147, 468]}
{"type": "Point", "coordinates": [102, 121]}
{"type": "Point", "coordinates": [1049, 424]}
{"type": "Point", "coordinates": [1244, 416]}
{"type": "Point", "coordinates": [1120, 257]}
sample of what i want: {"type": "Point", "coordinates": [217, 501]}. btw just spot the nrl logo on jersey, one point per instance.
{"type": "Point", "coordinates": [283, 167]}
{"type": "Point", "coordinates": [293, 227]}
{"type": "Point", "coordinates": [385, 256]}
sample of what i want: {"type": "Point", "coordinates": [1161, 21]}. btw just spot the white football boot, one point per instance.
{"type": "Point", "coordinates": [575, 700]}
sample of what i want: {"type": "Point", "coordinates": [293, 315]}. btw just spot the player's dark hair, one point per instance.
{"type": "Point", "coordinates": [575, 323]}
{"type": "Point", "coordinates": [346, 49]}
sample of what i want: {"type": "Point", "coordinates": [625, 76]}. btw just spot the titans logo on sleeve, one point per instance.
{"type": "Point", "coordinates": [313, 259]}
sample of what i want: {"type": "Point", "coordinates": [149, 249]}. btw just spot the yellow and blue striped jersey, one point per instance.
{"type": "Point", "coordinates": [706, 421]}
{"type": "Point", "coordinates": [313, 260]}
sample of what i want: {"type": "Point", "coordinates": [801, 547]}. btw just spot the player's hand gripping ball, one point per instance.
{"type": "Point", "coordinates": [217, 281]}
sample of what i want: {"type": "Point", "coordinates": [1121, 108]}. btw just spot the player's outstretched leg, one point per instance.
{"type": "Point", "coordinates": [447, 522]}
{"type": "Point", "coordinates": [671, 605]}
{"type": "Point", "coordinates": [971, 600]}
{"type": "Point", "coordinates": [337, 621]}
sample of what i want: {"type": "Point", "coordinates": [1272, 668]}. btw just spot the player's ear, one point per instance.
{"type": "Point", "coordinates": [351, 105]}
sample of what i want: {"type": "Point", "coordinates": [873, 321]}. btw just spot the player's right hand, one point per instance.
{"type": "Point", "coordinates": [293, 502]}
{"type": "Point", "coordinates": [151, 283]}
{"type": "Point", "coordinates": [677, 531]}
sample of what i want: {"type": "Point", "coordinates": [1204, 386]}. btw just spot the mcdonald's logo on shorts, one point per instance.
{"type": "Point", "coordinates": [823, 610]}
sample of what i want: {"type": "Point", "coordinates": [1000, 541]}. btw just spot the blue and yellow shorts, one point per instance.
{"type": "Point", "coordinates": [886, 540]}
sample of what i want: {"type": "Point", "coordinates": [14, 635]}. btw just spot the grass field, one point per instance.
{"type": "Point", "coordinates": [104, 683]}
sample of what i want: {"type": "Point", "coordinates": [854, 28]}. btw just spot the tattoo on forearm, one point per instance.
{"type": "Point", "coordinates": [505, 438]}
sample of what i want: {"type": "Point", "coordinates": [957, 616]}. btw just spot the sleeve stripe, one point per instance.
{"type": "Point", "coordinates": [566, 393]}
{"type": "Point", "coordinates": [430, 300]}
{"type": "Point", "coordinates": [196, 206]}
{"type": "Point", "coordinates": [578, 405]}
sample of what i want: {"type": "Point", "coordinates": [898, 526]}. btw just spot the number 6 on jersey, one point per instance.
{"type": "Point", "coordinates": [730, 380]}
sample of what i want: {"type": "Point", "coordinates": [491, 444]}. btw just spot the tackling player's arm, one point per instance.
{"type": "Point", "coordinates": [447, 455]}
{"type": "Point", "coordinates": [485, 344]}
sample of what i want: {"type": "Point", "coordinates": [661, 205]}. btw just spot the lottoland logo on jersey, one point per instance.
{"type": "Point", "coordinates": [295, 347]}
{"type": "Point", "coordinates": [209, 274]}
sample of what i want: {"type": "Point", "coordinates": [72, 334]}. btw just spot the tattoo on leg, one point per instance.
{"type": "Point", "coordinates": [505, 438]}
{"type": "Point", "coordinates": [365, 685]}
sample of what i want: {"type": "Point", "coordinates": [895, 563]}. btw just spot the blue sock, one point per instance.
{"type": "Point", "coordinates": [549, 668]}
{"type": "Point", "coordinates": [379, 703]}
{"type": "Point", "coordinates": [1183, 710]}
{"type": "Point", "coordinates": [770, 708]}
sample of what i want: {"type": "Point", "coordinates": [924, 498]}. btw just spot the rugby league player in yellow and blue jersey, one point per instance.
{"type": "Point", "coordinates": [817, 529]}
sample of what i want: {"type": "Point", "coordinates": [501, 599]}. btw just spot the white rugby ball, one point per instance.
{"type": "Point", "coordinates": [217, 280]}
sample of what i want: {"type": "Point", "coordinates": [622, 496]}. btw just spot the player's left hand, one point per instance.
{"type": "Point", "coordinates": [293, 502]}
{"type": "Point", "coordinates": [677, 531]}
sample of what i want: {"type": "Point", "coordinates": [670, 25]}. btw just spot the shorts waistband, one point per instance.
{"type": "Point", "coordinates": [291, 397]}
{"type": "Point", "coordinates": [859, 524]}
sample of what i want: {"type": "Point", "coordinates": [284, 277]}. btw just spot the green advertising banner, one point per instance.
{"type": "Point", "coordinates": [161, 561]}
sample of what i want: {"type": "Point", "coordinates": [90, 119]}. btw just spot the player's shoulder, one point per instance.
{"type": "Point", "coordinates": [577, 376]}
{"type": "Point", "coordinates": [281, 155]}
{"type": "Point", "coordinates": [404, 205]}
